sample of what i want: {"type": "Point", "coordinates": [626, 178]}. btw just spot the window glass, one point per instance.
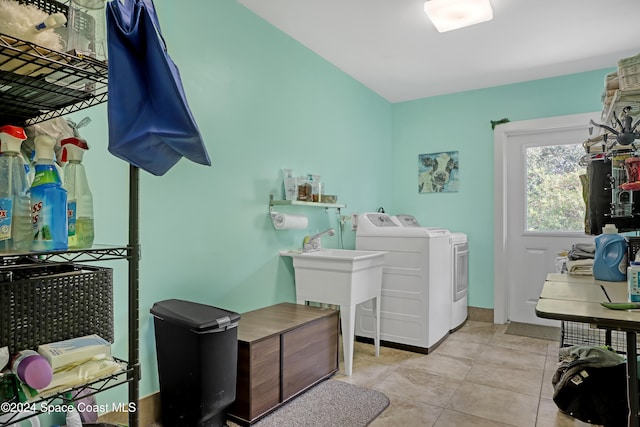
{"type": "Point", "coordinates": [554, 192]}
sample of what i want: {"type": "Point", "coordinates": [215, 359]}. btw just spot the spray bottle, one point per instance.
{"type": "Point", "coordinates": [48, 200]}
{"type": "Point", "coordinates": [80, 200]}
{"type": "Point", "coordinates": [15, 202]}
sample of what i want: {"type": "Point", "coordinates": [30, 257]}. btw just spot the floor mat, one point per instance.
{"type": "Point", "coordinates": [329, 404]}
{"type": "Point", "coordinates": [550, 333]}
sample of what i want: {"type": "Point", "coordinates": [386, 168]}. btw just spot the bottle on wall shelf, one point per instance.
{"type": "Point", "coordinates": [316, 187]}
{"type": "Point", "coordinates": [610, 259]}
{"type": "Point", "coordinates": [79, 198]}
{"type": "Point", "coordinates": [48, 200]}
{"type": "Point", "coordinates": [15, 201]}
{"type": "Point", "coordinates": [289, 183]}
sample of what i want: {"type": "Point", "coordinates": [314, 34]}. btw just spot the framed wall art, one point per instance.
{"type": "Point", "coordinates": [438, 172]}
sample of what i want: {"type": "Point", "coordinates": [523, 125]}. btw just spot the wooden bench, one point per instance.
{"type": "Point", "coordinates": [282, 350]}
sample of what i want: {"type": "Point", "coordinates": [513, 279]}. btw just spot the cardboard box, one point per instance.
{"type": "Point", "coordinates": [75, 350]}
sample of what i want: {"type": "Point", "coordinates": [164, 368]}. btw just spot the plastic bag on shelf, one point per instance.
{"type": "Point", "coordinates": [57, 128]}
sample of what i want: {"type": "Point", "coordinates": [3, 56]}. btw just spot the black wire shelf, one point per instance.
{"type": "Point", "coordinates": [43, 402]}
{"type": "Point", "coordinates": [95, 253]}
{"type": "Point", "coordinates": [38, 84]}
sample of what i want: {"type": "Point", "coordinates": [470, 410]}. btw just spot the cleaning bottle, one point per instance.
{"type": "Point", "coordinates": [51, 22]}
{"type": "Point", "coordinates": [79, 198]}
{"type": "Point", "coordinates": [73, 416]}
{"type": "Point", "coordinates": [48, 200]}
{"type": "Point", "coordinates": [610, 259]}
{"type": "Point", "coordinates": [633, 279]}
{"type": "Point", "coordinates": [15, 202]}
{"type": "Point", "coordinates": [32, 369]}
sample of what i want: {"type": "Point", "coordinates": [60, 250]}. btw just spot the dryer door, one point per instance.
{"type": "Point", "coordinates": [460, 270]}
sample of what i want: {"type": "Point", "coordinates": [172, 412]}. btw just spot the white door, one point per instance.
{"type": "Point", "coordinates": [528, 238]}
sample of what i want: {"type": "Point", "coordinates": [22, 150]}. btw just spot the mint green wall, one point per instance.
{"type": "Point", "coordinates": [462, 122]}
{"type": "Point", "coordinates": [264, 102]}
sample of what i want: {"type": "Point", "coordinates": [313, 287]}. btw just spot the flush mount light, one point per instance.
{"type": "Point", "coordinates": [449, 15]}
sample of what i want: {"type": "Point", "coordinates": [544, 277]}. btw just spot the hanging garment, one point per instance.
{"type": "Point", "coordinates": [599, 195]}
{"type": "Point", "coordinates": [584, 181]}
{"type": "Point", "coordinates": [150, 123]}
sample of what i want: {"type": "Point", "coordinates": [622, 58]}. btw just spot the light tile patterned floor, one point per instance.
{"type": "Point", "coordinates": [479, 376]}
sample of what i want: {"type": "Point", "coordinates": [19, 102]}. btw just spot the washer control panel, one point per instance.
{"type": "Point", "coordinates": [408, 220]}
{"type": "Point", "coordinates": [381, 220]}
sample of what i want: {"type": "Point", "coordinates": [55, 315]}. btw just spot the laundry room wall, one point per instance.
{"type": "Point", "coordinates": [462, 122]}
{"type": "Point", "coordinates": [263, 102]}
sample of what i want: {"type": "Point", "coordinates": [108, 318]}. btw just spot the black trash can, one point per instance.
{"type": "Point", "coordinates": [197, 351]}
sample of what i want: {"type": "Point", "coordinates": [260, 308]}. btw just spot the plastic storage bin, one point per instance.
{"type": "Point", "coordinates": [197, 351]}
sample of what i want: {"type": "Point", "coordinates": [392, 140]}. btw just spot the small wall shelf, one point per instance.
{"type": "Point", "coordinates": [273, 202]}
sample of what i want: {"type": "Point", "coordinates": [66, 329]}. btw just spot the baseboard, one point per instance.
{"type": "Point", "coordinates": [149, 413]}
{"type": "Point", "coordinates": [480, 314]}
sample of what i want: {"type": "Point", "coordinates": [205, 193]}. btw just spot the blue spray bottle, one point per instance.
{"type": "Point", "coordinates": [15, 204]}
{"type": "Point", "coordinates": [48, 200]}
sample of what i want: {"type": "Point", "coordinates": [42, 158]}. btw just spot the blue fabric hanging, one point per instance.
{"type": "Point", "coordinates": [150, 123]}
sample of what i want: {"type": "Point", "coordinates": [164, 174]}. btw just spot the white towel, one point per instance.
{"type": "Point", "coordinates": [580, 267]}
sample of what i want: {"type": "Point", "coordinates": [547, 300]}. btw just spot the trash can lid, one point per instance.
{"type": "Point", "coordinates": [193, 315]}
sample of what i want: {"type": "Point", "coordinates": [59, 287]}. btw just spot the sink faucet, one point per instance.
{"type": "Point", "coordinates": [313, 243]}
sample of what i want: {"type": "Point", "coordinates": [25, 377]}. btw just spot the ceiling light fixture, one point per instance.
{"type": "Point", "coordinates": [449, 15]}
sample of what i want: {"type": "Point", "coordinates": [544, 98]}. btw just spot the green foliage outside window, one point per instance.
{"type": "Point", "coordinates": [554, 191]}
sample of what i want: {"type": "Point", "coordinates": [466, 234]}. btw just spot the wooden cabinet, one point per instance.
{"type": "Point", "coordinates": [282, 350]}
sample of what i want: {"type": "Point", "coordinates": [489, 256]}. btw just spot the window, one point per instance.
{"type": "Point", "coordinates": [554, 192]}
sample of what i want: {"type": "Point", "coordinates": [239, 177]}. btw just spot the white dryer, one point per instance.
{"type": "Point", "coordinates": [416, 283]}
{"type": "Point", "coordinates": [459, 271]}
{"type": "Point", "coordinates": [460, 276]}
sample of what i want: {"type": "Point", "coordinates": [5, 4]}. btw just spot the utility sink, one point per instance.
{"type": "Point", "coordinates": [341, 277]}
{"type": "Point", "coordinates": [338, 255]}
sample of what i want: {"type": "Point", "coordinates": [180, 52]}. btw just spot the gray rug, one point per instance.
{"type": "Point", "coordinates": [550, 333]}
{"type": "Point", "coordinates": [331, 403]}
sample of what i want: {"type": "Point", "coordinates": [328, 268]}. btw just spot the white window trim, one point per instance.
{"type": "Point", "coordinates": [501, 137]}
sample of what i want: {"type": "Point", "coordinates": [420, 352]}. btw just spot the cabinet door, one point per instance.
{"type": "Point", "coordinates": [309, 353]}
{"type": "Point", "coordinates": [258, 384]}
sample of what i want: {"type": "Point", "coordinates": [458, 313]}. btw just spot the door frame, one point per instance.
{"type": "Point", "coordinates": [501, 138]}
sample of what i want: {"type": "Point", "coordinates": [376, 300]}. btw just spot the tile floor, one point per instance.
{"type": "Point", "coordinates": [479, 376]}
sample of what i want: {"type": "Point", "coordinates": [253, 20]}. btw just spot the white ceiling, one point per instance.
{"type": "Point", "coordinates": [391, 47]}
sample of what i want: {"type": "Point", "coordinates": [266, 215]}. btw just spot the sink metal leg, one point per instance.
{"type": "Point", "coordinates": [376, 310]}
{"type": "Point", "coordinates": [348, 322]}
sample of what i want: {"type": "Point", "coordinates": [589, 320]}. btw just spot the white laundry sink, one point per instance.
{"type": "Point", "coordinates": [334, 276]}
{"type": "Point", "coordinates": [341, 277]}
{"type": "Point", "coordinates": [338, 259]}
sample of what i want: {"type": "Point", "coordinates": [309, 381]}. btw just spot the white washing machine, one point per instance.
{"type": "Point", "coordinates": [459, 271]}
{"type": "Point", "coordinates": [415, 307]}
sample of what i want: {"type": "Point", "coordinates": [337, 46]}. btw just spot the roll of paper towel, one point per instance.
{"type": "Point", "coordinates": [285, 221]}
